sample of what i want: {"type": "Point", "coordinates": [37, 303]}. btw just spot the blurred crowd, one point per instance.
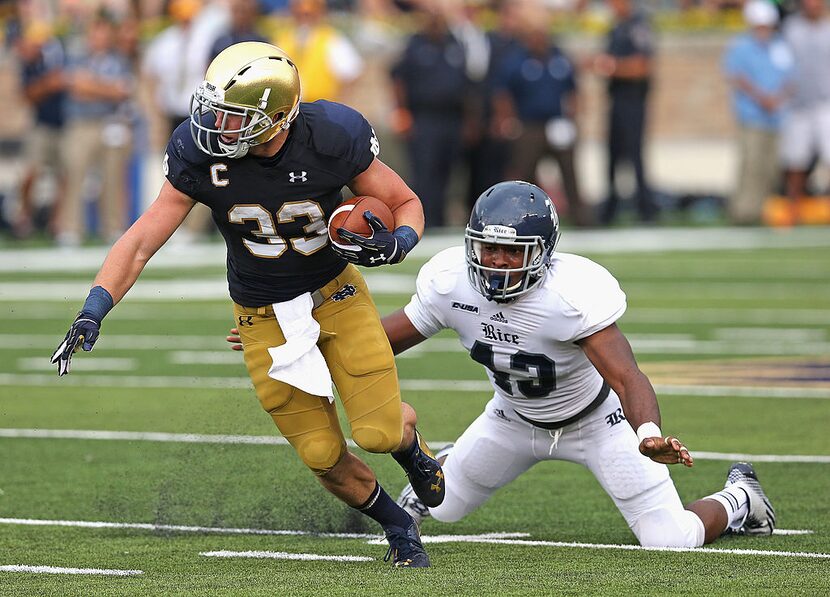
{"type": "Point", "coordinates": [481, 87]}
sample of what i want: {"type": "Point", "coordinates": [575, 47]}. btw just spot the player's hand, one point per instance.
{"type": "Point", "coordinates": [83, 333]}
{"type": "Point", "coordinates": [234, 339]}
{"type": "Point", "coordinates": [666, 450]}
{"type": "Point", "coordinates": [379, 249]}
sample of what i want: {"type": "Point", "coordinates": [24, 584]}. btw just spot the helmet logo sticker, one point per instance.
{"type": "Point", "coordinates": [497, 230]}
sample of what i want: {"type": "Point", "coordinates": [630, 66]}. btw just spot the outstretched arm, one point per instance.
{"type": "Point", "coordinates": [133, 250]}
{"type": "Point", "coordinates": [121, 269]}
{"type": "Point", "coordinates": [611, 354]}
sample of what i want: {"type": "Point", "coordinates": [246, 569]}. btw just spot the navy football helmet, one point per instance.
{"type": "Point", "coordinates": [511, 213]}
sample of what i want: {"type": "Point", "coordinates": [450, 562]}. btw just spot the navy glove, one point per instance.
{"type": "Point", "coordinates": [381, 248]}
{"type": "Point", "coordinates": [83, 333]}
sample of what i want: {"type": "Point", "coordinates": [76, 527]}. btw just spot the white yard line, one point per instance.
{"type": "Point", "coordinates": [425, 385]}
{"type": "Point", "coordinates": [626, 547]}
{"type": "Point", "coordinates": [491, 538]}
{"type": "Point", "coordinates": [135, 311]}
{"type": "Point", "coordinates": [765, 342]}
{"type": "Point", "coordinates": [283, 555]}
{"type": "Point", "coordinates": [86, 364]}
{"type": "Point", "coordinates": [276, 440]}
{"type": "Point", "coordinates": [174, 256]}
{"type": "Point", "coordinates": [58, 570]}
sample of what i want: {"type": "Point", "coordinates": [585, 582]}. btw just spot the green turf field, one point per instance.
{"type": "Point", "coordinates": [157, 438]}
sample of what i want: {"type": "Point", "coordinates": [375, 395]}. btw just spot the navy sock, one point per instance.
{"type": "Point", "coordinates": [383, 508]}
{"type": "Point", "coordinates": [407, 455]}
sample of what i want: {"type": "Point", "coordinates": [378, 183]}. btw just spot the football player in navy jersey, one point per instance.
{"type": "Point", "coordinates": [272, 170]}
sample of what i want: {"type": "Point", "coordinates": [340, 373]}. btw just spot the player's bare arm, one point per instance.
{"type": "Point", "coordinates": [611, 354]}
{"type": "Point", "coordinates": [385, 246]}
{"type": "Point", "coordinates": [400, 331]}
{"type": "Point", "coordinates": [134, 249]}
{"type": "Point", "coordinates": [379, 180]}
{"type": "Point", "coordinates": [121, 269]}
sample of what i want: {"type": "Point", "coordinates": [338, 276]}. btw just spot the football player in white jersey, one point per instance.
{"type": "Point", "coordinates": [566, 384]}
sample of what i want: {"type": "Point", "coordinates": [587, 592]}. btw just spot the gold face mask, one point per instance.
{"type": "Point", "coordinates": [250, 93]}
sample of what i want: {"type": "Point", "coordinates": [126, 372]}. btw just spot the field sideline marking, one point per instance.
{"type": "Point", "coordinates": [283, 555]}
{"type": "Point", "coordinates": [627, 547]}
{"type": "Point", "coordinates": [491, 538]}
{"type": "Point", "coordinates": [177, 528]}
{"type": "Point", "coordinates": [425, 385]}
{"type": "Point", "coordinates": [277, 440]}
{"type": "Point", "coordinates": [58, 570]}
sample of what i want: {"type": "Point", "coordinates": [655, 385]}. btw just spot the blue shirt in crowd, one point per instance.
{"type": "Point", "coordinates": [538, 84]}
{"type": "Point", "coordinates": [769, 66]}
{"type": "Point", "coordinates": [49, 110]}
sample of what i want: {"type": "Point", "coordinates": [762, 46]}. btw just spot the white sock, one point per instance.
{"type": "Point", "coordinates": [735, 501]}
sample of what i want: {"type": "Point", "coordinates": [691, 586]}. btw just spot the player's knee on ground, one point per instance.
{"type": "Point", "coordinates": [376, 439]}
{"type": "Point", "coordinates": [669, 527]}
{"type": "Point", "coordinates": [320, 451]}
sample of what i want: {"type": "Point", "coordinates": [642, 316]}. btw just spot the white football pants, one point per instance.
{"type": "Point", "coordinates": [498, 447]}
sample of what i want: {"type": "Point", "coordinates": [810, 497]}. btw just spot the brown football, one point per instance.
{"type": "Point", "coordinates": [349, 215]}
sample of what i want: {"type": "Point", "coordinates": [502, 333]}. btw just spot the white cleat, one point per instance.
{"type": "Point", "coordinates": [760, 520]}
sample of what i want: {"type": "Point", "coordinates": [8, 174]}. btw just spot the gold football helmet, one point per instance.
{"type": "Point", "coordinates": [250, 93]}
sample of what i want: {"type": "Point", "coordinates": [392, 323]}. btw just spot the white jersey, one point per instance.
{"type": "Point", "coordinates": [528, 345]}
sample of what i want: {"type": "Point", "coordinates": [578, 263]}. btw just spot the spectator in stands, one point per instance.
{"type": "Point", "coordinates": [99, 82]}
{"type": "Point", "coordinates": [243, 26]}
{"type": "Point", "coordinates": [759, 67]}
{"type": "Point", "coordinates": [42, 62]}
{"type": "Point", "coordinates": [627, 64]}
{"type": "Point", "coordinates": [175, 63]}
{"type": "Point", "coordinates": [328, 61]}
{"type": "Point", "coordinates": [431, 89]}
{"type": "Point", "coordinates": [805, 131]}
{"type": "Point", "coordinates": [486, 152]}
{"type": "Point", "coordinates": [537, 97]}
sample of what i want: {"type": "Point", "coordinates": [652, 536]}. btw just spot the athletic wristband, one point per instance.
{"type": "Point", "coordinates": [98, 304]}
{"type": "Point", "coordinates": [648, 429]}
{"type": "Point", "coordinates": [407, 238]}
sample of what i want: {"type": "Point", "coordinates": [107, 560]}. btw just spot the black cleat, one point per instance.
{"type": "Point", "coordinates": [405, 547]}
{"type": "Point", "coordinates": [760, 520]}
{"type": "Point", "coordinates": [425, 475]}
{"type": "Point", "coordinates": [408, 499]}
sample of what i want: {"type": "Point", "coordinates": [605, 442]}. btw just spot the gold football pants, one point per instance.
{"type": "Point", "coordinates": [362, 366]}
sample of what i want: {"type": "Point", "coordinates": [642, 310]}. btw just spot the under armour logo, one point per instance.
{"type": "Point", "coordinates": [245, 320]}
{"type": "Point", "coordinates": [615, 417]}
{"type": "Point", "coordinates": [375, 259]}
{"type": "Point", "coordinates": [301, 177]}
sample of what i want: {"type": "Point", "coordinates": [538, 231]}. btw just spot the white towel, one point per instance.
{"type": "Point", "coordinates": [299, 362]}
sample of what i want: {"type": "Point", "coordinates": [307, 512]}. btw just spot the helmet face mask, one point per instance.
{"type": "Point", "coordinates": [251, 92]}
{"type": "Point", "coordinates": [513, 215]}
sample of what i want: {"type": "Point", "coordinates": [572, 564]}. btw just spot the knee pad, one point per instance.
{"type": "Point", "coordinates": [376, 440]}
{"type": "Point", "coordinates": [320, 451]}
{"type": "Point", "coordinates": [669, 527]}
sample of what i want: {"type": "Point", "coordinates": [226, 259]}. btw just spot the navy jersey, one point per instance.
{"type": "Point", "coordinates": [273, 212]}
{"type": "Point", "coordinates": [630, 37]}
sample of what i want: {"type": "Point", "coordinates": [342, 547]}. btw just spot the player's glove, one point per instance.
{"type": "Point", "coordinates": [381, 248]}
{"type": "Point", "coordinates": [82, 333]}
{"type": "Point", "coordinates": [85, 329]}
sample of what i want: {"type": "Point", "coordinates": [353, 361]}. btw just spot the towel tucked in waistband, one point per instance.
{"type": "Point", "coordinates": [299, 361]}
